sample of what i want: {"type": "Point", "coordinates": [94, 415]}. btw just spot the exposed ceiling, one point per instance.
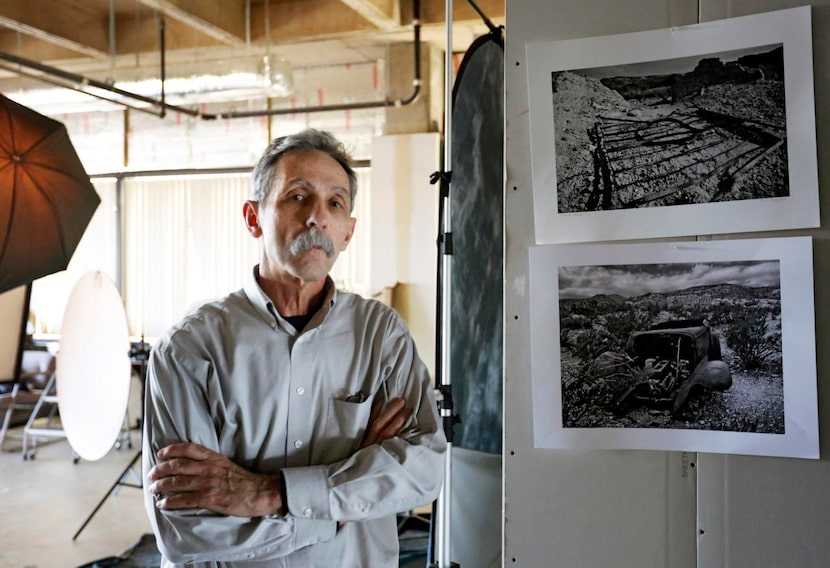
{"type": "Point", "coordinates": [96, 36]}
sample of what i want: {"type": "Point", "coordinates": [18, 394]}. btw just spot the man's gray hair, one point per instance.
{"type": "Point", "coordinates": [308, 139]}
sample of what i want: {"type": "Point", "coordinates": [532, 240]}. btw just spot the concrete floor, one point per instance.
{"type": "Point", "coordinates": [44, 501]}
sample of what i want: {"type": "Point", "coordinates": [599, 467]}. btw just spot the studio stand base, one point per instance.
{"type": "Point", "coordinates": [121, 482]}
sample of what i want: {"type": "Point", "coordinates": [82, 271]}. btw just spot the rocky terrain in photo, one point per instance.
{"type": "Point", "coordinates": [717, 133]}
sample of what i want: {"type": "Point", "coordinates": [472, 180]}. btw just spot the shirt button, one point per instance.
{"type": "Point", "coordinates": [307, 512]}
{"type": "Point", "coordinates": [300, 391]}
{"type": "Point", "coordinates": [298, 443]}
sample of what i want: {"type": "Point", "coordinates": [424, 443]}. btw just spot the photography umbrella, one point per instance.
{"type": "Point", "coordinates": [46, 198]}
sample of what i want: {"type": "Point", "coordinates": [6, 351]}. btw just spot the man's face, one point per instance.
{"type": "Point", "coordinates": [304, 221]}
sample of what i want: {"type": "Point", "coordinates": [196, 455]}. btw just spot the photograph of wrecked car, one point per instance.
{"type": "Point", "coordinates": [693, 346]}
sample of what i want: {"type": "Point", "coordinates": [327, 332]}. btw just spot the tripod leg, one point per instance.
{"type": "Point", "coordinates": [118, 482]}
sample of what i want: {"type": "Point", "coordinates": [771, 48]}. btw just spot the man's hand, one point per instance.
{"type": "Point", "coordinates": [385, 423]}
{"type": "Point", "coordinates": [190, 476]}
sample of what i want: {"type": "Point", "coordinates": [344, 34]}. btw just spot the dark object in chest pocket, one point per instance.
{"type": "Point", "coordinates": [345, 425]}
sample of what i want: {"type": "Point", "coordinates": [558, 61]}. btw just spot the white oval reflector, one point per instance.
{"type": "Point", "coordinates": [93, 366]}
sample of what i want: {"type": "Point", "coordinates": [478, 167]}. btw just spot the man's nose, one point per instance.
{"type": "Point", "coordinates": [317, 215]}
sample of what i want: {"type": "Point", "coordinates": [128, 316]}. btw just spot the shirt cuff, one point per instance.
{"type": "Point", "coordinates": [307, 492]}
{"type": "Point", "coordinates": [310, 531]}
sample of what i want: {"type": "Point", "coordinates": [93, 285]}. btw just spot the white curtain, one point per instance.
{"type": "Point", "coordinates": [184, 243]}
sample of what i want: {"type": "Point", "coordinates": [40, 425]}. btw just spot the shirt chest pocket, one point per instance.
{"type": "Point", "coordinates": [345, 424]}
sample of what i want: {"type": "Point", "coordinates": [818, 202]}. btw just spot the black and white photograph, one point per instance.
{"type": "Point", "coordinates": [704, 129]}
{"type": "Point", "coordinates": [682, 345]}
{"type": "Point", "coordinates": [700, 127]}
{"type": "Point", "coordinates": [678, 345]}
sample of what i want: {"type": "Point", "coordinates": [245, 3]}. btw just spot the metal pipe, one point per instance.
{"type": "Point", "coordinates": [112, 46]}
{"type": "Point", "coordinates": [74, 87]}
{"type": "Point", "coordinates": [247, 24]}
{"type": "Point", "coordinates": [443, 528]}
{"type": "Point", "coordinates": [79, 82]}
{"type": "Point", "coordinates": [195, 171]}
{"type": "Point", "coordinates": [162, 51]}
{"type": "Point", "coordinates": [120, 215]}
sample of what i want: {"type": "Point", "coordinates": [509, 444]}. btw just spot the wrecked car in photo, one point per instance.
{"type": "Point", "coordinates": [674, 358]}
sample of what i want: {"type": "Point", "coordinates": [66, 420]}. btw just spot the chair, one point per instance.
{"type": "Point", "coordinates": [38, 378]}
{"type": "Point", "coordinates": [34, 388]}
{"type": "Point", "coordinates": [36, 392]}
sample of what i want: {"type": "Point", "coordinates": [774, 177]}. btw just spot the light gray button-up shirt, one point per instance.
{"type": "Point", "coordinates": [238, 379]}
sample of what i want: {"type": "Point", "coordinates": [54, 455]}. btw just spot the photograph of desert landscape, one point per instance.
{"type": "Point", "coordinates": [690, 130]}
{"type": "Point", "coordinates": [682, 345]}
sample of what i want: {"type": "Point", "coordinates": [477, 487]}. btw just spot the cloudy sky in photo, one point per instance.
{"type": "Point", "coordinates": [631, 280]}
{"type": "Point", "coordinates": [668, 66]}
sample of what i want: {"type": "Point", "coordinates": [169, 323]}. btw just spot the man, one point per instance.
{"type": "Point", "coordinates": [287, 424]}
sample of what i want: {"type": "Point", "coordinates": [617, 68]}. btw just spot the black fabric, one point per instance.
{"type": "Point", "coordinates": [144, 554]}
{"type": "Point", "coordinates": [299, 322]}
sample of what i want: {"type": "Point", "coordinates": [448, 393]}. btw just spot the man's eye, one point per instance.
{"type": "Point", "coordinates": [337, 204]}
{"type": "Point", "coordinates": [297, 197]}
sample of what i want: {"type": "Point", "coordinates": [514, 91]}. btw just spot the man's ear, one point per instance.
{"type": "Point", "coordinates": [250, 210]}
{"type": "Point", "coordinates": [347, 240]}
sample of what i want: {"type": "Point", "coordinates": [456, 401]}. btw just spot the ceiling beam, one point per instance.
{"type": "Point", "coordinates": [142, 36]}
{"type": "Point", "coordinates": [303, 20]}
{"type": "Point", "coordinates": [383, 14]}
{"type": "Point", "coordinates": [223, 20]}
{"type": "Point", "coordinates": [31, 47]}
{"type": "Point", "coordinates": [58, 22]}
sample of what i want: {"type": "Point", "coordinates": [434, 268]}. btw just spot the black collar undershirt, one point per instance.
{"type": "Point", "coordinates": [298, 322]}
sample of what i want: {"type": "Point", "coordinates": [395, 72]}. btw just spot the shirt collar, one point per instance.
{"type": "Point", "coordinates": [265, 307]}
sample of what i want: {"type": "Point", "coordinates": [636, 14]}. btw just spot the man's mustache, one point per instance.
{"type": "Point", "coordinates": [312, 238]}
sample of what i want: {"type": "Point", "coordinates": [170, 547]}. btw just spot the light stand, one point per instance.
{"type": "Point", "coordinates": [120, 482]}
{"type": "Point", "coordinates": [443, 379]}
{"type": "Point", "coordinates": [139, 355]}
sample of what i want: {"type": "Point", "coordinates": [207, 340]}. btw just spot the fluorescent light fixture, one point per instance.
{"type": "Point", "coordinates": [228, 79]}
{"type": "Point", "coordinates": [186, 83]}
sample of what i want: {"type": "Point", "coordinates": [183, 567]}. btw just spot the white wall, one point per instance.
{"type": "Point", "coordinates": [770, 512]}
{"type": "Point", "coordinates": [403, 231]}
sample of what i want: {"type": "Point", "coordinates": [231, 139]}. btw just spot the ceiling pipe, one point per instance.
{"type": "Point", "coordinates": [163, 65]}
{"type": "Point", "coordinates": [54, 76]}
{"type": "Point", "coordinates": [58, 77]}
